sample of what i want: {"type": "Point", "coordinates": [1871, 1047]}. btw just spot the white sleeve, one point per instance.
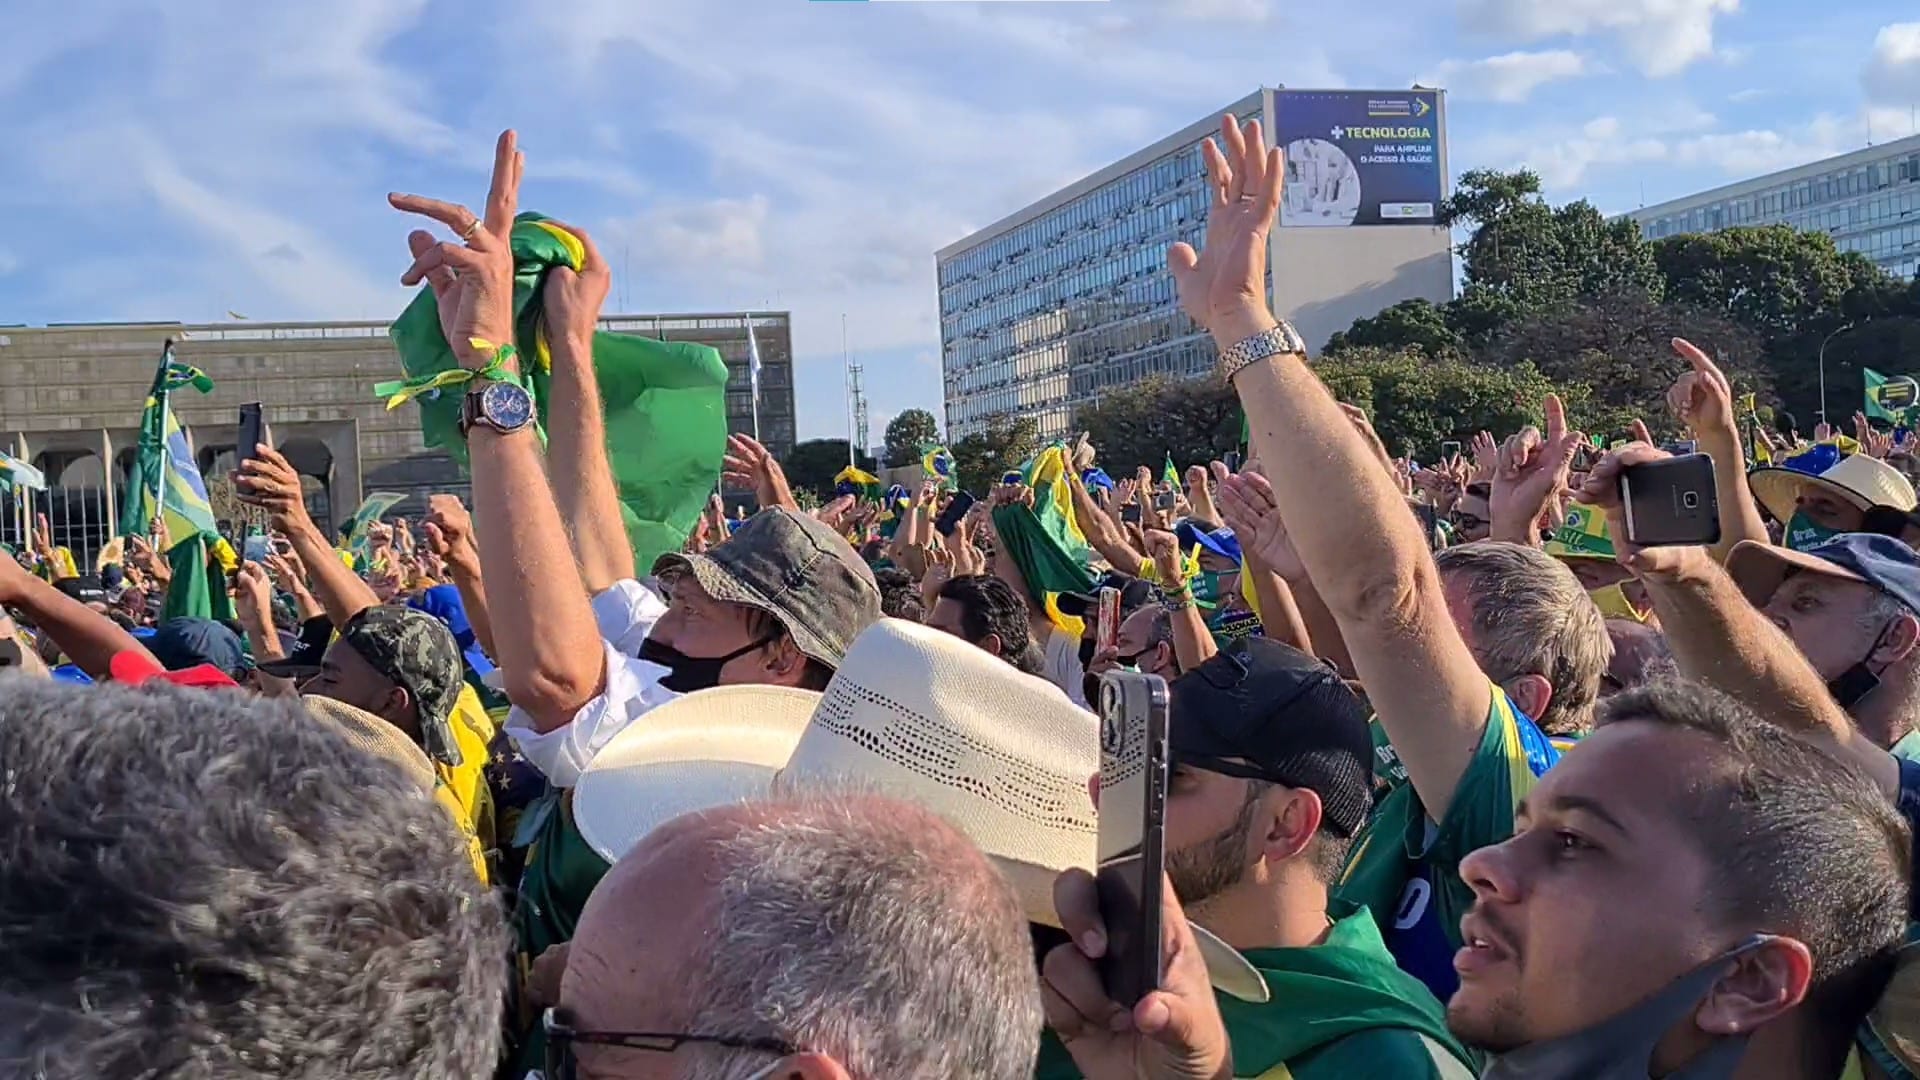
{"type": "Point", "coordinates": [633, 688]}
{"type": "Point", "coordinates": [626, 612]}
{"type": "Point", "coordinates": [1064, 669]}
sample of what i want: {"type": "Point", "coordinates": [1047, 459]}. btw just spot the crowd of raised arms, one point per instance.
{"type": "Point", "coordinates": [1461, 780]}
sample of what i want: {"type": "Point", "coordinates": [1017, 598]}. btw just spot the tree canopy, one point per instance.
{"type": "Point", "coordinates": [907, 433]}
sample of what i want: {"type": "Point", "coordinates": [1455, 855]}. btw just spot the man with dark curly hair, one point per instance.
{"type": "Point", "coordinates": [203, 884]}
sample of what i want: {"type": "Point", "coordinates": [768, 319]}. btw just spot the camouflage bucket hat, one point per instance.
{"type": "Point", "coordinates": [414, 650]}
{"type": "Point", "coordinates": [796, 569]}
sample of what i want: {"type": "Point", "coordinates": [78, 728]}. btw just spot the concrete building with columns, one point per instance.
{"type": "Point", "coordinates": [71, 397]}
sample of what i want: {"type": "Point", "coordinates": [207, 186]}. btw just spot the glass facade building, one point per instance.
{"type": "Point", "coordinates": [1868, 201]}
{"type": "Point", "coordinates": [1067, 299]}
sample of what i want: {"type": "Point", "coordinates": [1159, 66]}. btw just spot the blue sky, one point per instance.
{"type": "Point", "coordinates": [182, 160]}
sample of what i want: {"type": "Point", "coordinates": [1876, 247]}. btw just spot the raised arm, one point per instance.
{"type": "Point", "coordinates": [449, 531]}
{"type": "Point", "coordinates": [1347, 519]}
{"type": "Point", "coordinates": [583, 487]}
{"type": "Point", "coordinates": [1192, 642]}
{"type": "Point", "coordinates": [90, 639]}
{"type": "Point", "coordinates": [266, 480]}
{"type": "Point", "coordinates": [550, 650]}
{"type": "Point", "coordinates": [1702, 399]}
{"type": "Point", "coordinates": [1102, 534]}
{"type": "Point", "coordinates": [1532, 470]}
{"type": "Point", "coordinates": [1722, 640]}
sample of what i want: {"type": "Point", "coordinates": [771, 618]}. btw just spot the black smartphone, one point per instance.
{"type": "Point", "coordinates": [1130, 514]}
{"type": "Point", "coordinates": [1132, 846]}
{"type": "Point", "coordinates": [1231, 460]}
{"type": "Point", "coordinates": [1671, 502]}
{"type": "Point", "coordinates": [253, 432]}
{"type": "Point", "coordinates": [1449, 449]}
{"type": "Point", "coordinates": [957, 508]}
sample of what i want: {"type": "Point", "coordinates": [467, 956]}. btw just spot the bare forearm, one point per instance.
{"type": "Point", "coordinates": [551, 650]}
{"type": "Point", "coordinates": [1280, 617]}
{"type": "Point", "coordinates": [1739, 514]}
{"type": "Point", "coordinates": [1104, 536]}
{"type": "Point", "coordinates": [582, 477]}
{"type": "Point", "coordinates": [468, 578]}
{"type": "Point", "coordinates": [90, 639]}
{"type": "Point", "coordinates": [337, 588]}
{"type": "Point", "coordinates": [1322, 628]}
{"type": "Point", "coordinates": [1192, 641]}
{"type": "Point", "coordinates": [1720, 639]}
{"type": "Point", "coordinates": [303, 600]}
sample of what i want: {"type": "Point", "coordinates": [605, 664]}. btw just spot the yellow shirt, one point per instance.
{"type": "Point", "coordinates": [463, 787]}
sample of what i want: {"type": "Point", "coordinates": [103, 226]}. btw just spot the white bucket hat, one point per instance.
{"type": "Point", "coordinates": [1858, 479]}
{"type": "Point", "coordinates": [911, 712]}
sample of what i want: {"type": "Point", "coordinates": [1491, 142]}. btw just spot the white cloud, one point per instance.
{"type": "Point", "coordinates": [1750, 94]}
{"type": "Point", "coordinates": [1892, 75]}
{"type": "Point", "coordinates": [1509, 78]}
{"type": "Point", "coordinates": [1660, 37]}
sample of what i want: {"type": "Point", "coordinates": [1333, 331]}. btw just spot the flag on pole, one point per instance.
{"type": "Point", "coordinates": [936, 464]}
{"type": "Point", "coordinates": [164, 482]}
{"type": "Point", "coordinates": [1171, 474]}
{"type": "Point", "coordinates": [753, 374]}
{"type": "Point", "coordinates": [1888, 397]}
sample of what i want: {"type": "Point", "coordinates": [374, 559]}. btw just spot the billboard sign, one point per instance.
{"type": "Point", "coordinates": [1359, 157]}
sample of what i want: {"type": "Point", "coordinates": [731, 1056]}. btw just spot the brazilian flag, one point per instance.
{"type": "Point", "coordinates": [859, 483]}
{"type": "Point", "coordinates": [1046, 542]}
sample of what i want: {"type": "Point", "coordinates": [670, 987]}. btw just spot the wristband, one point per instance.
{"type": "Point", "coordinates": [401, 391]}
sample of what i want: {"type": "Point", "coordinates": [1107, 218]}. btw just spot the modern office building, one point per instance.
{"type": "Point", "coordinates": [71, 400]}
{"type": "Point", "coordinates": [1868, 201]}
{"type": "Point", "coordinates": [1066, 299]}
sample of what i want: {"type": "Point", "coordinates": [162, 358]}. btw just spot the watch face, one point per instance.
{"type": "Point", "coordinates": [506, 406]}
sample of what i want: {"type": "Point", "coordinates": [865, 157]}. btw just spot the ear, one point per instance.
{"type": "Point", "coordinates": [1531, 693]}
{"type": "Point", "coordinates": [1767, 982]}
{"type": "Point", "coordinates": [785, 662]}
{"type": "Point", "coordinates": [1291, 818]}
{"type": "Point", "coordinates": [1903, 637]}
{"type": "Point", "coordinates": [400, 702]}
{"type": "Point", "coordinates": [992, 645]}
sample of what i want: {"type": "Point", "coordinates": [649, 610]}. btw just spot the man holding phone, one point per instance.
{"type": "Point", "coordinates": [1270, 781]}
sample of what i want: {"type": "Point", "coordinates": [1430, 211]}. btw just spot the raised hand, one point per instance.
{"type": "Point", "coordinates": [572, 299]}
{"type": "Point", "coordinates": [449, 529]}
{"type": "Point", "coordinates": [1164, 549]}
{"type": "Point", "coordinates": [1486, 458]}
{"type": "Point", "coordinates": [471, 277]}
{"type": "Point", "coordinates": [1224, 288]}
{"type": "Point", "coordinates": [253, 596]}
{"type": "Point", "coordinates": [268, 481]}
{"type": "Point", "coordinates": [1532, 469]}
{"type": "Point", "coordinates": [1123, 492]}
{"type": "Point", "coordinates": [1702, 399]}
{"type": "Point", "coordinates": [748, 464]}
{"type": "Point", "coordinates": [1602, 490]}
{"type": "Point", "coordinates": [1247, 502]}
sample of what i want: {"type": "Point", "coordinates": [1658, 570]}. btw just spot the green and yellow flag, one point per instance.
{"type": "Point", "coordinates": [165, 482]}
{"type": "Point", "coordinates": [1046, 542]}
{"type": "Point", "coordinates": [664, 402]}
{"type": "Point", "coordinates": [1171, 473]}
{"type": "Point", "coordinates": [859, 483]}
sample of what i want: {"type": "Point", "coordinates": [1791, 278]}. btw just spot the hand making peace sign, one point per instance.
{"type": "Point", "coordinates": [472, 276]}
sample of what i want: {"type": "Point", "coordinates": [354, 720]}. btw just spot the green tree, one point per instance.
{"type": "Point", "coordinates": [1416, 402]}
{"type": "Point", "coordinates": [1411, 324]}
{"type": "Point", "coordinates": [813, 465]}
{"type": "Point", "coordinates": [1538, 255]}
{"type": "Point", "coordinates": [907, 433]}
{"type": "Point", "coordinates": [1194, 420]}
{"type": "Point", "coordinates": [982, 459]}
{"type": "Point", "coordinates": [1773, 278]}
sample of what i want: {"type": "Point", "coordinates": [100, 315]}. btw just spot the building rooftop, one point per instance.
{"type": "Point", "coordinates": [1863, 156]}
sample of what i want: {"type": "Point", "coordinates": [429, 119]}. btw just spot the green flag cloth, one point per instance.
{"type": "Point", "coordinates": [664, 402]}
{"type": "Point", "coordinates": [859, 483]}
{"type": "Point", "coordinates": [164, 482]}
{"type": "Point", "coordinates": [1887, 398]}
{"type": "Point", "coordinates": [1171, 474]}
{"type": "Point", "coordinates": [1046, 542]}
{"type": "Point", "coordinates": [199, 587]}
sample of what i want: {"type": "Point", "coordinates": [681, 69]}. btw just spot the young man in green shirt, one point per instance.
{"type": "Point", "coordinates": [1270, 780]}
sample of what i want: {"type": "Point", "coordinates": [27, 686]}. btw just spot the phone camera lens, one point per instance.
{"type": "Point", "coordinates": [1690, 500]}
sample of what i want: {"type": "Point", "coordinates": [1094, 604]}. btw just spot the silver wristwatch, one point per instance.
{"type": "Point", "coordinates": [1282, 340]}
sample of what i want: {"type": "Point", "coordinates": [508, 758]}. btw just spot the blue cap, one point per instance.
{"type": "Point", "coordinates": [187, 642]}
{"type": "Point", "coordinates": [1219, 541]}
{"type": "Point", "coordinates": [1887, 565]}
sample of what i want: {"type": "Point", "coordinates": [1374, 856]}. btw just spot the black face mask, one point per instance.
{"type": "Point", "coordinates": [1852, 686]}
{"type": "Point", "coordinates": [1086, 653]}
{"type": "Point", "coordinates": [689, 673]}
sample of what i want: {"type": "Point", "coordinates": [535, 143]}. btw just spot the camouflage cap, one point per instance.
{"type": "Point", "coordinates": [798, 570]}
{"type": "Point", "coordinates": [414, 650]}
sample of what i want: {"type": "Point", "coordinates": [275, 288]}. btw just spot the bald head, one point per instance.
{"type": "Point", "coordinates": [859, 927]}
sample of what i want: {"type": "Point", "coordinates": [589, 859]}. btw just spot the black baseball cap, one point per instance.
{"type": "Point", "coordinates": [1134, 595]}
{"type": "Point", "coordinates": [1261, 710]}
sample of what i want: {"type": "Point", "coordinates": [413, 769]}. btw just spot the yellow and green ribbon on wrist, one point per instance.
{"type": "Point", "coordinates": [400, 391]}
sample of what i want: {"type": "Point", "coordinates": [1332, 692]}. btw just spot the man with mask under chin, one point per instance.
{"type": "Point", "coordinates": [1852, 607]}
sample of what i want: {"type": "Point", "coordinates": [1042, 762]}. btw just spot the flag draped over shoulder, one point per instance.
{"type": "Point", "coordinates": [1046, 542]}
{"type": "Point", "coordinates": [858, 483]}
{"type": "Point", "coordinates": [664, 402]}
{"type": "Point", "coordinates": [164, 482]}
{"type": "Point", "coordinates": [936, 464]}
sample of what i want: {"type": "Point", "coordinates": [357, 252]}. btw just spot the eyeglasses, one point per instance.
{"type": "Point", "coordinates": [1468, 521]}
{"type": "Point", "coordinates": [561, 1037]}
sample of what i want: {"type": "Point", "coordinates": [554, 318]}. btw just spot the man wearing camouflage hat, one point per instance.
{"type": "Point", "coordinates": [399, 664]}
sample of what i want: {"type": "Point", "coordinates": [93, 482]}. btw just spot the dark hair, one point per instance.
{"type": "Point", "coordinates": [1802, 844]}
{"type": "Point", "coordinates": [899, 594]}
{"type": "Point", "coordinates": [204, 883]}
{"type": "Point", "coordinates": [761, 623]}
{"type": "Point", "coordinates": [988, 606]}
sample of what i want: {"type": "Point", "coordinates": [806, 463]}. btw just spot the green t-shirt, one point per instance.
{"type": "Point", "coordinates": [1406, 868]}
{"type": "Point", "coordinates": [561, 871]}
{"type": "Point", "coordinates": [1339, 1009]}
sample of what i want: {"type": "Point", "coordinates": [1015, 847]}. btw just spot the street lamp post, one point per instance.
{"type": "Point", "coordinates": [1823, 367]}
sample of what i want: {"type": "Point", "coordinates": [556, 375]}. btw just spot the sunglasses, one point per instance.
{"type": "Point", "coordinates": [1468, 521]}
{"type": "Point", "coordinates": [561, 1037]}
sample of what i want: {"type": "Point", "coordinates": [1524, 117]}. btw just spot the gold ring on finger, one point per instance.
{"type": "Point", "coordinates": [467, 233]}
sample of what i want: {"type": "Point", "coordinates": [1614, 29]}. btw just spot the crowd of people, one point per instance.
{"type": "Point", "coordinates": [1462, 783]}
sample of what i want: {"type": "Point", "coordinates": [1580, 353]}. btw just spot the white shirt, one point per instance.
{"type": "Point", "coordinates": [625, 614]}
{"type": "Point", "coordinates": [1064, 669]}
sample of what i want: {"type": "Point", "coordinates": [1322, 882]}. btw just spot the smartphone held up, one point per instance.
{"type": "Point", "coordinates": [1132, 845]}
{"type": "Point", "coordinates": [1671, 502]}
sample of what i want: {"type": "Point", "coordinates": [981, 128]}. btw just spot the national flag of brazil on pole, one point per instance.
{"type": "Point", "coordinates": [1046, 542]}
{"type": "Point", "coordinates": [165, 483]}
